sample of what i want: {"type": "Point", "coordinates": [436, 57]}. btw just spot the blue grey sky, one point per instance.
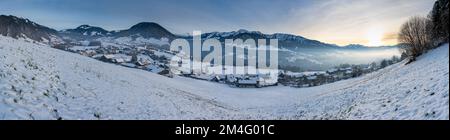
{"type": "Point", "coordinates": [333, 21]}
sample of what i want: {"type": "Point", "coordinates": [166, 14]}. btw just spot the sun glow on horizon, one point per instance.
{"type": "Point", "coordinates": [375, 37]}
{"type": "Point", "coordinates": [372, 36]}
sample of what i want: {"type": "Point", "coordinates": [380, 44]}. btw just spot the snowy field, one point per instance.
{"type": "Point", "coordinates": [38, 82]}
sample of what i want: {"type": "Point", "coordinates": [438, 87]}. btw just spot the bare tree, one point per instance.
{"type": "Point", "coordinates": [415, 36]}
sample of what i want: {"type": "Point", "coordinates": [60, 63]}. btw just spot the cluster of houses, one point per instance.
{"type": "Point", "coordinates": [146, 57]}
{"type": "Point", "coordinates": [316, 78]}
{"type": "Point", "coordinates": [240, 80]}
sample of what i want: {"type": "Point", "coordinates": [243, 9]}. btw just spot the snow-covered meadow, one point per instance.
{"type": "Point", "coordinates": [39, 82]}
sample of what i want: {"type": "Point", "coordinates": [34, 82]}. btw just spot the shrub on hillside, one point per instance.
{"type": "Point", "coordinates": [415, 36]}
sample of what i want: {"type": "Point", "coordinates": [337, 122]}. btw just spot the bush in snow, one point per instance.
{"type": "Point", "coordinates": [415, 36]}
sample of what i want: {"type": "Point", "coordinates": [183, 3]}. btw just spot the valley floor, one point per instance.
{"type": "Point", "coordinates": [38, 82]}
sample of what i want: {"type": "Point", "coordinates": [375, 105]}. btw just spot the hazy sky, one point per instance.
{"type": "Point", "coordinates": [368, 22]}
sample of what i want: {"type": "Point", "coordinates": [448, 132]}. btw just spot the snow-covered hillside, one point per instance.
{"type": "Point", "coordinates": [38, 82]}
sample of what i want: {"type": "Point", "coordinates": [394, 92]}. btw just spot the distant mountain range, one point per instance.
{"type": "Point", "coordinates": [19, 27]}
{"type": "Point", "coordinates": [296, 52]}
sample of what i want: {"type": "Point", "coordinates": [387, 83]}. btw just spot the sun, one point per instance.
{"type": "Point", "coordinates": [375, 37]}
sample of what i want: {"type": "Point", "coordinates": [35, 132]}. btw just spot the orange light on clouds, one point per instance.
{"type": "Point", "coordinates": [365, 22]}
{"type": "Point", "coordinates": [373, 37]}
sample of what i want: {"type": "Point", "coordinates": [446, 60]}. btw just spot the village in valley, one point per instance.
{"type": "Point", "coordinates": [154, 58]}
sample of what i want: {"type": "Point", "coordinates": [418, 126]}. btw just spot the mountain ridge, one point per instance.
{"type": "Point", "coordinates": [155, 30]}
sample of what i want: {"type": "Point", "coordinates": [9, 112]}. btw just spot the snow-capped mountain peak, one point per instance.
{"type": "Point", "coordinates": [87, 30]}
{"type": "Point", "coordinates": [85, 27]}
{"type": "Point", "coordinates": [146, 30]}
